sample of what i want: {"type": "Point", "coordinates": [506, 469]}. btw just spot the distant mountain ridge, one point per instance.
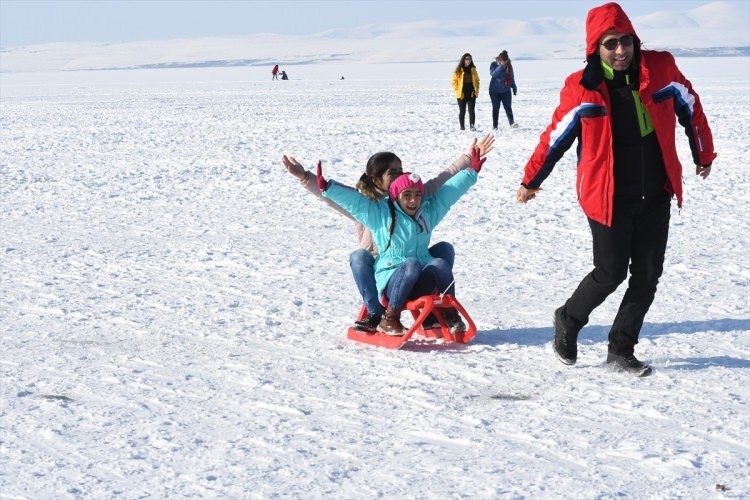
{"type": "Point", "coordinates": [715, 29]}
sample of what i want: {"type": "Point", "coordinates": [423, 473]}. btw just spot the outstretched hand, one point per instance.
{"type": "Point", "coordinates": [322, 183]}
{"type": "Point", "coordinates": [485, 145]}
{"type": "Point", "coordinates": [293, 166]}
{"type": "Point", "coordinates": [476, 160]}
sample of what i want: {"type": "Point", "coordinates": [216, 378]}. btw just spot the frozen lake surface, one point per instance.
{"type": "Point", "coordinates": [174, 305]}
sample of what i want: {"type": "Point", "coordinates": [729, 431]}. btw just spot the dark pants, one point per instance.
{"type": "Point", "coordinates": [638, 237]}
{"type": "Point", "coordinates": [506, 98]}
{"type": "Point", "coordinates": [462, 104]}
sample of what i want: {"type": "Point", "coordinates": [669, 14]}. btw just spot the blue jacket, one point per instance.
{"type": "Point", "coordinates": [409, 239]}
{"type": "Point", "coordinates": [497, 80]}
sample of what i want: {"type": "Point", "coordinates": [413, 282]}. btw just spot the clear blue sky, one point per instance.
{"type": "Point", "coordinates": [26, 22]}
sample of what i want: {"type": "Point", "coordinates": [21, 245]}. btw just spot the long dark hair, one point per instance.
{"type": "Point", "coordinates": [460, 66]}
{"type": "Point", "coordinates": [377, 167]}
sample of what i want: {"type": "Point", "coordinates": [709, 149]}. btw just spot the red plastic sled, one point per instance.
{"type": "Point", "coordinates": [419, 309]}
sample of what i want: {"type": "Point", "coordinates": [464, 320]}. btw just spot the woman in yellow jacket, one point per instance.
{"type": "Point", "coordinates": [466, 85]}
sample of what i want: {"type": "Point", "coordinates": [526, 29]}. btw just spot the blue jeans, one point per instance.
{"type": "Point", "coordinates": [497, 98]}
{"type": "Point", "coordinates": [411, 280]}
{"type": "Point", "coordinates": [362, 262]}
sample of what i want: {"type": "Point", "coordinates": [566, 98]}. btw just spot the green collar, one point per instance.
{"type": "Point", "coordinates": [609, 71]}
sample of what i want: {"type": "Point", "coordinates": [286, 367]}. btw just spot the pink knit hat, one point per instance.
{"type": "Point", "coordinates": [405, 181]}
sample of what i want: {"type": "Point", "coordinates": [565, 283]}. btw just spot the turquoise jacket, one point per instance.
{"type": "Point", "coordinates": [411, 236]}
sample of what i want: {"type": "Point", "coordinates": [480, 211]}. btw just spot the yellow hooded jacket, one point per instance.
{"type": "Point", "coordinates": [458, 83]}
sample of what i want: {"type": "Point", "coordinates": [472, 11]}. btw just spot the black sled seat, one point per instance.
{"type": "Point", "coordinates": [420, 308]}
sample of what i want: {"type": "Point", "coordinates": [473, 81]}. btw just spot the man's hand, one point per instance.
{"type": "Point", "coordinates": [293, 166]}
{"type": "Point", "coordinates": [525, 194]}
{"type": "Point", "coordinates": [703, 171]}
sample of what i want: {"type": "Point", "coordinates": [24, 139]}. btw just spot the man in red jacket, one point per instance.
{"type": "Point", "coordinates": [622, 108]}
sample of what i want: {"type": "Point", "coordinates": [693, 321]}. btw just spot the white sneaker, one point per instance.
{"type": "Point", "coordinates": [513, 125]}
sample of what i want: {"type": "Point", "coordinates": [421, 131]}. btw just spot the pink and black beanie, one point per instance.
{"type": "Point", "coordinates": [405, 181]}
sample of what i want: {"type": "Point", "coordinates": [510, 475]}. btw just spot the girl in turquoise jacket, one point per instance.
{"type": "Point", "coordinates": [402, 226]}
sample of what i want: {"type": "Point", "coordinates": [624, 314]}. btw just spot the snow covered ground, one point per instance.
{"type": "Point", "coordinates": [173, 305]}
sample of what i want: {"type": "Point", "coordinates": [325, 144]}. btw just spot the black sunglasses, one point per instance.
{"type": "Point", "coordinates": [625, 41]}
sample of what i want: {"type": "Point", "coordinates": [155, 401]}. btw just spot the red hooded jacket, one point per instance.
{"type": "Point", "coordinates": [584, 113]}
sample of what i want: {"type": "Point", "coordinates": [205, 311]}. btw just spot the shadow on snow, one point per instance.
{"type": "Point", "coordinates": [599, 333]}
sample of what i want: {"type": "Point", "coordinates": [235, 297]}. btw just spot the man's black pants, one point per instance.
{"type": "Point", "coordinates": [638, 237]}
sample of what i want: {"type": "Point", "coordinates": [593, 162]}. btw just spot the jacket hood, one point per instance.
{"type": "Point", "coordinates": [602, 19]}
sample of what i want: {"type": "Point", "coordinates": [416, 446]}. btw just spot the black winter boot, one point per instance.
{"type": "Point", "coordinates": [369, 323]}
{"type": "Point", "coordinates": [565, 341]}
{"type": "Point", "coordinates": [431, 322]}
{"type": "Point", "coordinates": [454, 321]}
{"type": "Point", "coordinates": [629, 364]}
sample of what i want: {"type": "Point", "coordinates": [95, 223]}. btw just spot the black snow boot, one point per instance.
{"type": "Point", "coordinates": [369, 323]}
{"type": "Point", "coordinates": [629, 364]}
{"type": "Point", "coordinates": [453, 320]}
{"type": "Point", "coordinates": [431, 322]}
{"type": "Point", "coordinates": [565, 341]}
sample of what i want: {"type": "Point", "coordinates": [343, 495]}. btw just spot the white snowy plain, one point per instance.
{"type": "Point", "coordinates": [173, 304]}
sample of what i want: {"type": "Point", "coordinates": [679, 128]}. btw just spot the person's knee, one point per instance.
{"type": "Point", "coordinates": [411, 265]}
{"type": "Point", "coordinates": [411, 268]}
{"type": "Point", "coordinates": [644, 282]}
{"type": "Point", "coordinates": [609, 280]}
{"type": "Point", "coordinates": [443, 250]}
{"type": "Point", "coordinates": [361, 259]}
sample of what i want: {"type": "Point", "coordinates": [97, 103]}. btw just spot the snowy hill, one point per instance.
{"type": "Point", "coordinates": [718, 28]}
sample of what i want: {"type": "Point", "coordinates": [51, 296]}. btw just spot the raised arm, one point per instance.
{"type": "Point", "coordinates": [484, 145]}
{"type": "Point", "coordinates": [309, 181]}
{"type": "Point", "coordinates": [456, 187]}
{"type": "Point", "coordinates": [361, 208]}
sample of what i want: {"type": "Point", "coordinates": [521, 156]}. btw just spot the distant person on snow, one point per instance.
{"type": "Point", "coordinates": [283, 76]}
{"type": "Point", "coordinates": [275, 72]}
{"type": "Point", "coordinates": [502, 81]}
{"type": "Point", "coordinates": [375, 184]}
{"type": "Point", "coordinates": [621, 109]}
{"type": "Point", "coordinates": [402, 226]}
{"type": "Point", "coordinates": [465, 83]}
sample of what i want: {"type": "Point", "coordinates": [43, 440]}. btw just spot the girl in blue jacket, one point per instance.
{"type": "Point", "coordinates": [402, 226]}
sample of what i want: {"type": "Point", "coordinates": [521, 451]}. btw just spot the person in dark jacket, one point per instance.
{"type": "Point", "coordinates": [622, 108]}
{"type": "Point", "coordinates": [502, 82]}
{"type": "Point", "coordinates": [283, 76]}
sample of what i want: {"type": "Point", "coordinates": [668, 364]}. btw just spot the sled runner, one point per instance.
{"type": "Point", "coordinates": [420, 308]}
